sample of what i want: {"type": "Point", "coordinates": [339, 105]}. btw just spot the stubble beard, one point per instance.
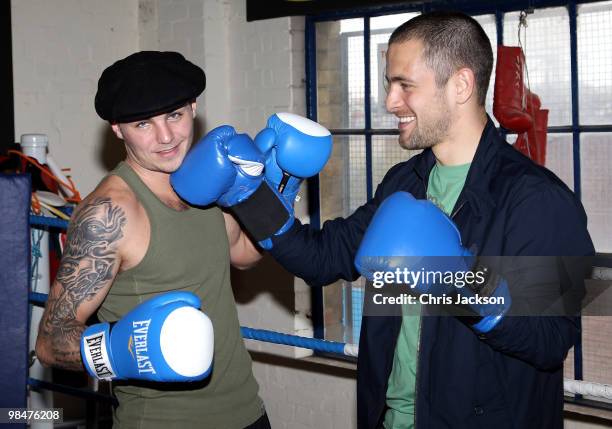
{"type": "Point", "coordinates": [429, 132]}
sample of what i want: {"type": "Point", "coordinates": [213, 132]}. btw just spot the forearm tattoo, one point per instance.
{"type": "Point", "coordinates": [88, 265]}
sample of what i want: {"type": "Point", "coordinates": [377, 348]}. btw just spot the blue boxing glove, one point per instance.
{"type": "Point", "coordinates": [294, 148]}
{"type": "Point", "coordinates": [166, 338]}
{"type": "Point", "coordinates": [224, 168]}
{"type": "Point", "coordinates": [411, 234]}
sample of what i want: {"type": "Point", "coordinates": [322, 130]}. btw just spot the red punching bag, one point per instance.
{"type": "Point", "coordinates": [533, 142]}
{"type": "Point", "coordinates": [533, 104]}
{"type": "Point", "coordinates": [509, 104]}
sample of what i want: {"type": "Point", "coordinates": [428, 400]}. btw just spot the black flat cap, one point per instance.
{"type": "Point", "coordinates": [146, 84]}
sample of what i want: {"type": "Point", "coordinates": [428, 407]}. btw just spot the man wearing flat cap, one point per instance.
{"type": "Point", "coordinates": [133, 238]}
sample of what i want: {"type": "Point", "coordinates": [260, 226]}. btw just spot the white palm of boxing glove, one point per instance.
{"type": "Point", "coordinates": [295, 148]}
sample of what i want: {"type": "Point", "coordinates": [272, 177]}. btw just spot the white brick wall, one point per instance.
{"type": "Point", "coordinates": [59, 49]}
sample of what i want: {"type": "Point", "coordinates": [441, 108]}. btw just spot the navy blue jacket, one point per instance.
{"type": "Point", "coordinates": [510, 378]}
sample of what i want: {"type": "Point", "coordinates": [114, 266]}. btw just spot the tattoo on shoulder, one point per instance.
{"type": "Point", "coordinates": [87, 265]}
{"type": "Point", "coordinates": [88, 258]}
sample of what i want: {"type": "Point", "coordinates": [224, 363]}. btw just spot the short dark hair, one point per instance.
{"type": "Point", "coordinates": [451, 40]}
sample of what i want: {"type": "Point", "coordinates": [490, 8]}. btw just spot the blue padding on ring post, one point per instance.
{"type": "Point", "coordinates": [15, 191]}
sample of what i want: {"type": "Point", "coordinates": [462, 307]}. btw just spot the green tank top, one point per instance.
{"type": "Point", "coordinates": [188, 250]}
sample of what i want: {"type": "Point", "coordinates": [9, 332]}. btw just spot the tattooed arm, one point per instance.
{"type": "Point", "coordinates": [88, 267]}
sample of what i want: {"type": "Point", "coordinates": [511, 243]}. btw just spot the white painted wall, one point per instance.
{"type": "Point", "coordinates": [59, 50]}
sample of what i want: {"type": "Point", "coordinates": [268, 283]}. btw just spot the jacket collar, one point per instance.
{"type": "Point", "coordinates": [476, 190]}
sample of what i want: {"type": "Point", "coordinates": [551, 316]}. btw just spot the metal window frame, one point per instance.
{"type": "Point", "coordinates": [474, 7]}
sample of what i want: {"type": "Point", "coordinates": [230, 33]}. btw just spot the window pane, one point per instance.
{"type": "Point", "coordinates": [356, 173]}
{"type": "Point", "coordinates": [560, 157]}
{"type": "Point", "coordinates": [488, 24]}
{"type": "Point", "coordinates": [340, 75]}
{"type": "Point", "coordinates": [343, 180]}
{"type": "Point", "coordinates": [342, 189]}
{"type": "Point", "coordinates": [381, 29]}
{"type": "Point", "coordinates": [595, 63]}
{"type": "Point", "coordinates": [386, 152]}
{"type": "Point", "coordinates": [390, 22]}
{"type": "Point", "coordinates": [596, 352]}
{"type": "Point", "coordinates": [354, 25]}
{"type": "Point", "coordinates": [378, 49]}
{"type": "Point", "coordinates": [355, 84]}
{"type": "Point", "coordinates": [343, 310]}
{"type": "Point", "coordinates": [335, 314]}
{"type": "Point", "coordinates": [596, 182]}
{"type": "Point", "coordinates": [547, 50]}
{"type": "Point", "coordinates": [334, 180]}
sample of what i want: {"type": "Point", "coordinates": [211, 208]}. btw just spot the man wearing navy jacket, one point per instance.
{"type": "Point", "coordinates": [441, 372]}
{"type": "Point", "coordinates": [438, 70]}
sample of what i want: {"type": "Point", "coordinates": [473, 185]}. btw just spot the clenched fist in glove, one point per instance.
{"type": "Point", "coordinates": [166, 338]}
{"type": "Point", "coordinates": [294, 148]}
{"type": "Point", "coordinates": [406, 233]}
{"type": "Point", "coordinates": [224, 168]}
{"type": "Point", "coordinates": [227, 168]}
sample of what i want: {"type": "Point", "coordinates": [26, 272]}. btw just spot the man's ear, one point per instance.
{"type": "Point", "coordinates": [117, 131]}
{"type": "Point", "coordinates": [464, 85]}
{"type": "Point", "coordinates": [193, 108]}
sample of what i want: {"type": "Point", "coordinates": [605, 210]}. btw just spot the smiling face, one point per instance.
{"type": "Point", "coordinates": [413, 96]}
{"type": "Point", "coordinates": [159, 143]}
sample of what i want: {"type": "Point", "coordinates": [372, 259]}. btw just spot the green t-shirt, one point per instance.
{"type": "Point", "coordinates": [445, 185]}
{"type": "Point", "coordinates": [443, 189]}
